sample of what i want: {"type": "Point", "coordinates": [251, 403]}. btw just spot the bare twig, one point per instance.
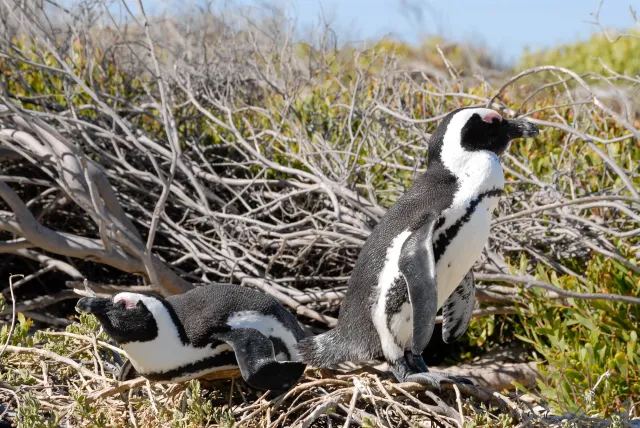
{"type": "Point", "coordinates": [13, 312]}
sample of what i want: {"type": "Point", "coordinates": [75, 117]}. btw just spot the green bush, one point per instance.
{"type": "Point", "coordinates": [622, 56]}
{"type": "Point", "coordinates": [582, 341]}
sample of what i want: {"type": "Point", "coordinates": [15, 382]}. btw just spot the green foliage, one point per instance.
{"type": "Point", "coordinates": [17, 377]}
{"type": "Point", "coordinates": [199, 411]}
{"type": "Point", "coordinates": [88, 325]}
{"type": "Point", "coordinates": [32, 416]}
{"type": "Point", "coordinates": [20, 331]}
{"type": "Point", "coordinates": [587, 343]}
{"type": "Point", "coordinates": [89, 412]}
{"type": "Point", "coordinates": [482, 417]}
{"type": "Point", "coordinates": [350, 62]}
{"type": "Point", "coordinates": [621, 56]}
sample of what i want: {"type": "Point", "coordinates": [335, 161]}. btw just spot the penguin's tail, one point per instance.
{"type": "Point", "coordinates": [323, 350]}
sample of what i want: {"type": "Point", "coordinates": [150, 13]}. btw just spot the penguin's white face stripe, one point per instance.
{"type": "Point", "coordinates": [455, 157]}
{"type": "Point", "coordinates": [476, 171]}
{"type": "Point", "coordinates": [165, 352]}
{"type": "Point", "coordinates": [389, 273]}
{"type": "Point", "coordinates": [267, 325]}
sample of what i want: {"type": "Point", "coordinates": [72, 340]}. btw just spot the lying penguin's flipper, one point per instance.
{"type": "Point", "coordinates": [458, 309]}
{"type": "Point", "coordinates": [418, 266]}
{"type": "Point", "coordinates": [257, 361]}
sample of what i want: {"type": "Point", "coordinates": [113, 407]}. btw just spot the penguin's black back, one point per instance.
{"type": "Point", "coordinates": [200, 310]}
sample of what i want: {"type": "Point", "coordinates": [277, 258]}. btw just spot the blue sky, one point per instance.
{"type": "Point", "coordinates": [504, 26]}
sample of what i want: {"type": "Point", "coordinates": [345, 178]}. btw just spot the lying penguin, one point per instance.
{"type": "Point", "coordinates": [212, 328]}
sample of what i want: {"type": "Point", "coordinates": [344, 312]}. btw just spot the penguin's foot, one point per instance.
{"type": "Point", "coordinates": [412, 368]}
{"type": "Point", "coordinates": [435, 379]}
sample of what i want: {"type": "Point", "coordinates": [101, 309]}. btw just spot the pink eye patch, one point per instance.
{"type": "Point", "coordinates": [128, 302]}
{"type": "Point", "coordinates": [489, 117]}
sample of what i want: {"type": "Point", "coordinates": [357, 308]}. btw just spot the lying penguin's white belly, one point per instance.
{"type": "Point", "coordinates": [167, 353]}
{"type": "Point", "coordinates": [162, 355]}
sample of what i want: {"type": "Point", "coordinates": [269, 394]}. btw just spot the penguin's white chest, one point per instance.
{"type": "Point", "coordinates": [463, 250]}
{"type": "Point", "coordinates": [460, 239]}
{"type": "Point", "coordinates": [166, 352]}
{"type": "Point", "coordinates": [467, 221]}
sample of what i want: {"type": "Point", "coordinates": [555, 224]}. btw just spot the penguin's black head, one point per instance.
{"type": "Point", "coordinates": [485, 129]}
{"type": "Point", "coordinates": [127, 317]}
{"type": "Point", "coordinates": [470, 130]}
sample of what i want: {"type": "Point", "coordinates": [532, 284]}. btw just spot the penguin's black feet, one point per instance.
{"type": "Point", "coordinates": [412, 368]}
{"type": "Point", "coordinates": [435, 379]}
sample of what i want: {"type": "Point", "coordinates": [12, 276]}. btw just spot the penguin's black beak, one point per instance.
{"type": "Point", "coordinates": [521, 129]}
{"type": "Point", "coordinates": [95, 305]}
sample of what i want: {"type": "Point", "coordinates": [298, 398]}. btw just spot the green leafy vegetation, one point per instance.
{"type": "Point", "coordinates": [590, 347]}
{"type": "Point", "coordinates": [597, 54]}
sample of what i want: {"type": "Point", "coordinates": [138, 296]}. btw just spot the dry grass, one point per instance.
{"type": "Point", "coordinates": [69, 378]}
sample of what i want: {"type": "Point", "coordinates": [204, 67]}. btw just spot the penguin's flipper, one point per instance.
{"type": "Point", "coordinates": [257, 361]}
{"type": "Point", "coordinates": [458, 309]}
{"type": "Point", "coordinates": [418, 266]}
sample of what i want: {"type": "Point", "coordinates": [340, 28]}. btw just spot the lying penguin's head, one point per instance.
{"type": "Point", "coordinates": [469, 130]}
{"type": "Point", "coordinates": [127, 317]}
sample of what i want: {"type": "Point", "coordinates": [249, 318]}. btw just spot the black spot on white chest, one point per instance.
{"type": "Point", "coordinates": [445, 235]}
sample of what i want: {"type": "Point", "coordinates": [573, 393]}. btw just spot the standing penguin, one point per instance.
{"type": "Point", "coordinates": [217, 327]}
{"type": "Point", "coordinates": [418, 258]}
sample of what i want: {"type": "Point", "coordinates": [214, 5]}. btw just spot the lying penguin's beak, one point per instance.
{"type": "Point", "coordinates": [521, 129]}
{"type": "Point", "coordinates": [95, 305]}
